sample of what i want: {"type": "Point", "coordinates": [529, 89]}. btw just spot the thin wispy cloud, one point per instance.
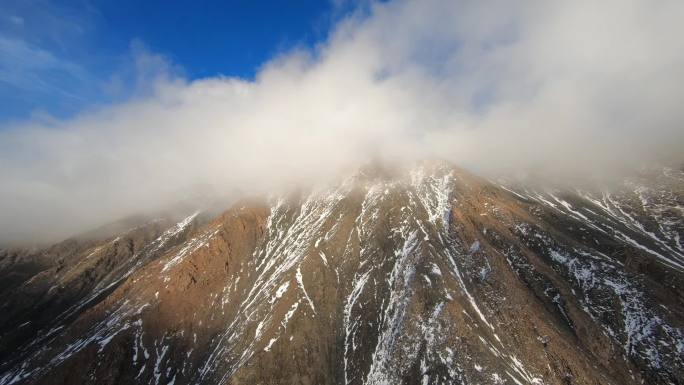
{"type": "Point", "coordinates": [28, 67]}
{"type": "Point", "coordinates": [554, 89]}
{"type": "Point", "coordinates": [47, 63]}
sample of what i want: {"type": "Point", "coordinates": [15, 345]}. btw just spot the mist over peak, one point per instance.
{"type": "Point", "coordinates": [573, 90]}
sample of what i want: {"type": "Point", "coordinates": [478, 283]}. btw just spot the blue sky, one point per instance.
{"type": "Point", "coordinates": [60, 58]}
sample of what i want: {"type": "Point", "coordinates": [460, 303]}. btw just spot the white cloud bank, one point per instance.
{"type": "Point", "coordinates": [559, 88]}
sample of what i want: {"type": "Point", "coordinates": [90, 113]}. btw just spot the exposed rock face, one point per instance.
{"type": "Point", "coordinates": [430, 277]}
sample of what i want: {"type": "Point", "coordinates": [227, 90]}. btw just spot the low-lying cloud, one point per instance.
{"type": "Point", "coordinates": [551, 88]}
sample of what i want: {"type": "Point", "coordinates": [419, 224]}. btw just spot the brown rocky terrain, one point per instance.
{"type": "Point", "coordinates": [431, 276]}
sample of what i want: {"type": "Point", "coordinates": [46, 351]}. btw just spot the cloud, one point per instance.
{"type": "Point", "coordinates": [25, 66]}
{"type": "Point", "coordinates": [16, 20]}
{"type": "Point", "coordinates": [555, 89]}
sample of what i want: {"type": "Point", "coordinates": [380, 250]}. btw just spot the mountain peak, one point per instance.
{"type": "Point", "coordinates": [425, 274]}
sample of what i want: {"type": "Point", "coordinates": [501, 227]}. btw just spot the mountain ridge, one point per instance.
{"type": "Point", "coordinates": [427, 276]}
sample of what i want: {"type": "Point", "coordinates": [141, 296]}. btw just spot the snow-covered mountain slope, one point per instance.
{"type": "Point", "coordinates": [432, 276]}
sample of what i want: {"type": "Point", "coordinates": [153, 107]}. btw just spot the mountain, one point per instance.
{"type": "Point", "coordinates": [428, 276]}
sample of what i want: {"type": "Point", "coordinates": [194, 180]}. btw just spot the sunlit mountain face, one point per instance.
{"type": "Point", "coordinates": [427, 275]}
{"type": "Point", "coordinates": [342, 192]}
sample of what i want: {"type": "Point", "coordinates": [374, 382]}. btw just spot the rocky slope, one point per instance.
{"type": "Point", "coordinates": [432, 276]}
